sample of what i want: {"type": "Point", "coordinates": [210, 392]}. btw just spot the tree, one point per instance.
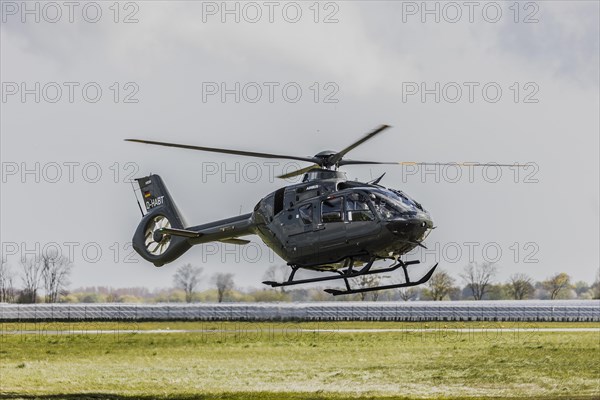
{"type": "Point", "coordinates": [187, 278]}
{"type": "Point", "coordinates": [439, 285]}
{"type": "Point", "coordinates": [520, 286]}
{"type": "Point", "coordinates": [497, 292]}
{"type": "Point", "coordinates": [32, 274]}
{"type": "Point", "coordinates": [224, 283]}
{"type": "Point", "coordinates": [7, 289]}
{"type": "Point", "coordinates": [277, 273]}
{"type": "Point", "coordinates": [557, 284]}
{"type": "Point", "coordinates": [478, 278]}
{"type": "Point", "coordinates": [581, 288]}
{"type": "Point", "coordinates": [407, 294]}
{"type": "Point", "coordinates": [55, 273]}
{"type": "Point", "coordinates": [596, 286]}
{"type": "Point", "coordinates": [368, 281]}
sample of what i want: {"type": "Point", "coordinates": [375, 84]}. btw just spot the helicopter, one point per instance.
{"type": "Point", "coordinates": [324, 223]}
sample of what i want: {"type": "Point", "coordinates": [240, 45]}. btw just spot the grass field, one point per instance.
{"type": "Point", "coordinates": [284, 361]}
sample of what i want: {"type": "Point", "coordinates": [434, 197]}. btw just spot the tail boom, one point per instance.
{"type": "Point", "coordinates": [162, 236]}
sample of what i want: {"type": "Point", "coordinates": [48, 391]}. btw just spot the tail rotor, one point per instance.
{"type": "Point", "coordinates": [156, 243]}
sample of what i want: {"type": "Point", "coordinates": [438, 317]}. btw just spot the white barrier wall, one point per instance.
{"type": "Point", "coordinates": [526, 310]}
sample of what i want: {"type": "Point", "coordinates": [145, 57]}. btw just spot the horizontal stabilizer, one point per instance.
{"type": "Point", "coordinates": [241, 242]}
{"type": "Point", "coordinates": [180, 232]}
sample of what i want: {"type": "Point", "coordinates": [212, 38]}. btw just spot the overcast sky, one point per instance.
{"type": "Point", "coordinates": [492, 83]}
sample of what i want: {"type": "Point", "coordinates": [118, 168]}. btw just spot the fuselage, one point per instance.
{"type": "Point", "coordinates": [322, 221]}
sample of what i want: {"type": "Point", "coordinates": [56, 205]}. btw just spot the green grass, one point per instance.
{"type": "Point", "coordinates": [277, 361]}
{"type": "Point", "coordinates": [103, 325]}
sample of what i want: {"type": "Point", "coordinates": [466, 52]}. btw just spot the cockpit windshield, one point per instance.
{"type": "Point", "coordinates": [391, 204]}
{"type": "Point", "coordinates": [403, 197]}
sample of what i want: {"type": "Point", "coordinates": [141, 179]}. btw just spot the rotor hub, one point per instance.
{"type": "Point", "coordinates": [323, 159]}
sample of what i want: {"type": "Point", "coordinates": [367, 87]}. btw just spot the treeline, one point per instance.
{"type": "Point", "coordinates": [44, 273]}
{"type": "Point", "coordinates": [477, 281]}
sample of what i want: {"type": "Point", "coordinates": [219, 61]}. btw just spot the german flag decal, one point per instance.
{"type": "Point", "coordinates": [147, 194]}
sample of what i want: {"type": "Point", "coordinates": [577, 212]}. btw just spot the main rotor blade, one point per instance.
{"type": "Point", "coordinates": [299, 171]}
{"type": "Point", "coordinates": [457, 164]}
{"type": "Point", "coordinates": [339, 155]}
{"type": "Point", "coordinates": [225, 151]}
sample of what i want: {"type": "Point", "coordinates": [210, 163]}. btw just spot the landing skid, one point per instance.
{"type": "Point", "coordinates": [348, 272]}
{"type": "Point", "coordinates": [408, 283]}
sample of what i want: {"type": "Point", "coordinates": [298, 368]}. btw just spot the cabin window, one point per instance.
{"type": "Point", "coordinates": [278, 201]}
{"type": "Point", "coordinates": [331, 210]}
{"type": "Point", "coordinates": [358, 209]}
{"type": "Point", "coordinates": [306, 214]}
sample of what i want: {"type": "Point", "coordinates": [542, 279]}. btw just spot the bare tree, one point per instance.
{"type": "Point", "coordinates": [277, 273]}
{"type": "Point", "coordinates": [55, 275]}
{"type": "Point", "coordinates": [368, 281]}
{"type": "Point", "coordinates": [32, 276]}
{"type": "Point", "coordinates": [407, 294]}
{"type": "Point", "coordinates": [7, 289]}
{"type": "Point", "coordinates": [187, 278]}
{"type": "Point", "coordinates": [556, 284]}
{"type": "Point", "coordinates": [224, 283]}
{"type": "Point", "coordinates": [520, 286]}
{"type": "Point", "coordinates": [596, 286]}
{"type": "Point", "coordinates": [479, 277]}
{"type": "Point", "coordinates": [439, 285]}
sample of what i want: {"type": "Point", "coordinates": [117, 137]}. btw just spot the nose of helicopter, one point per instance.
{"type": "Point", "coordinates": [414, 228]}
{"type": "Point", "coordinates": [422, 224]}
{"type": "Point", "coordinates": [426, 220]}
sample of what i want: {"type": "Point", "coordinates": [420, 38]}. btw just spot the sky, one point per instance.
{"type": "Point", "coordinates": [490, 82]}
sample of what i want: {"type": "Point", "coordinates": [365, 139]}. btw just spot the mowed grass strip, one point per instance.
{"type": "Point", "coordinates": [262, 360]}
{"type": "Point", "coordinates": [6, 327]}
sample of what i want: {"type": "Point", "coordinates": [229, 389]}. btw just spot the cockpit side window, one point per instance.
{"type": "Point", "coordinates": [332, 210]}
{"type": "Point", "coordinates": [357, 208]}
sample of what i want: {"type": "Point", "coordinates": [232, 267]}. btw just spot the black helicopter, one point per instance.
{"type": "Point", "coordinates": [324, 223]}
